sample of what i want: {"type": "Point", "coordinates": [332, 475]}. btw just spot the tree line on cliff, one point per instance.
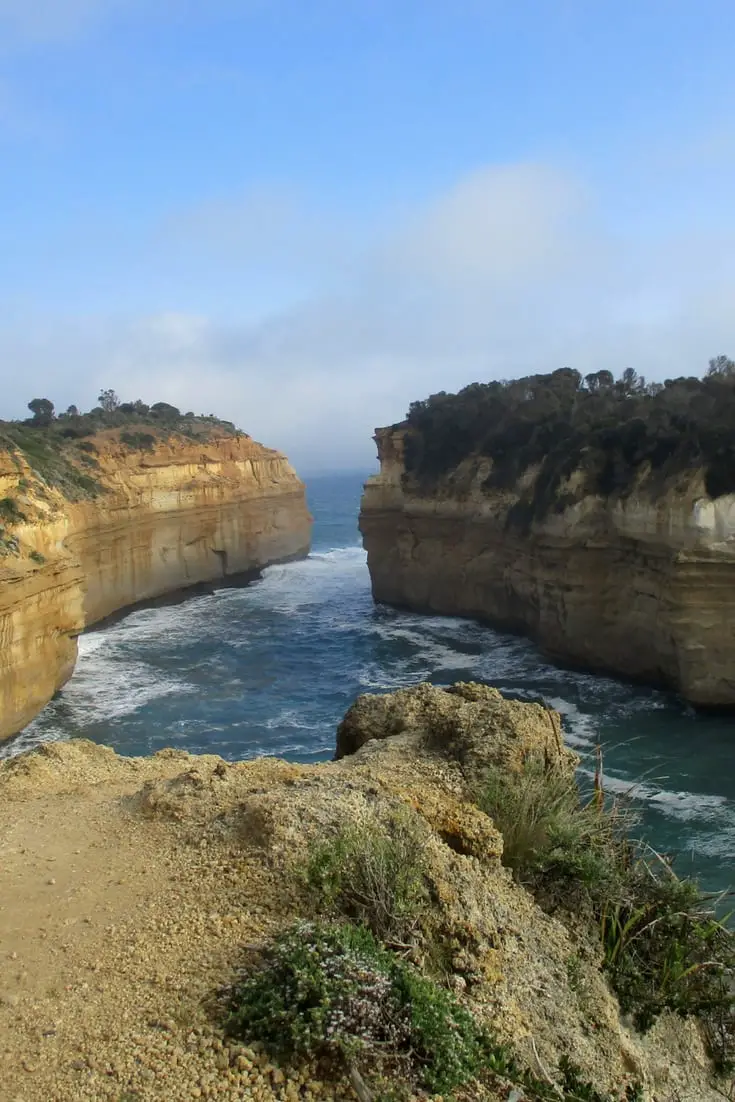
{"type": "Point", "coordinates": [57, 447]}
{"type": "Point", "coordinates": [111, 412]}
{"type": "Point", "coordinates": [561, 422]}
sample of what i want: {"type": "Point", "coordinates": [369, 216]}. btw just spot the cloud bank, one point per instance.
{"type": "Point", "coordinates": [512, 269]}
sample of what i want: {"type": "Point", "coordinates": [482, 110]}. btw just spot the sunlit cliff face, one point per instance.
{"type": "Point", "coordinates": [183, 513]}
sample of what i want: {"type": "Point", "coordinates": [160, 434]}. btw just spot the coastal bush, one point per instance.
{"type": "Point", "coordinates": [87, 459]}
{"type": "Point", "coordinates": [111, 413]}
{"type": "Point", "coordinates": [140, 441]}
{"type": "Point", "coordinates": [663, 946]}
{"type": "Point", "coordinates": [612, 431]}
{"type": "Point", "coordinates": [373, 872]}
{"type": "Point", "coordinates": [51, 458]}
{"type": "Point", "coordinates": [165, 412]}
{"type": "Point", "coordinates": [334, 995]}
{"type": "Point", "coordinates": [10, 511]}
{"type": "Point", "coordinates": [60, 455]}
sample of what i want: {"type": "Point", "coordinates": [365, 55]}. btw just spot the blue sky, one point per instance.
{"type": "Point", "coordinates": [304, 215]}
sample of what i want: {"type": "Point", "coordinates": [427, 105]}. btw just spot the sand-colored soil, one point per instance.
{"type": "Point", "coordinates": [115, 927]}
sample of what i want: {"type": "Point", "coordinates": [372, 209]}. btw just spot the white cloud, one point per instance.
{"type": "Point", "coordinates": [497, 226]}
{"type": "Point", "coordinates": [512, 270]}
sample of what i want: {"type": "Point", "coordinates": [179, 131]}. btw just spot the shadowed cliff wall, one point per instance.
{"type": "Point", "coordinates": [641, 585]}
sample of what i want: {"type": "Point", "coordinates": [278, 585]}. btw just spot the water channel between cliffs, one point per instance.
{"type": "Point", "coordinates": [272, 668]}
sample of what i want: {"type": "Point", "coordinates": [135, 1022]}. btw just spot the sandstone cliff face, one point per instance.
{"type": "Point", "coordinates": [641, 586]}
{"type": "Point", "coordinates": [183, 513]}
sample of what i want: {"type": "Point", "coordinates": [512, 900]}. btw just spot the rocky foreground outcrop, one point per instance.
{"type": "Point", "coordinates": [178, 513]}
{"type": "Point", "coordinates": [640, 585]}
{"type": "Point", "coordinates": [129, 888]}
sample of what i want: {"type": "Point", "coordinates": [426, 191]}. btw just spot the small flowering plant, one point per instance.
{"type": "Point", "coordinates": [332, 992]}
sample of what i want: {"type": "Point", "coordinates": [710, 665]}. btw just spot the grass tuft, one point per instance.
{"type": "Point", "coordinates": [373, 872]}
{"type": "Point", "coordinates": [663, 946]}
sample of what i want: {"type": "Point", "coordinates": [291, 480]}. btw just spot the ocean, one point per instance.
{"type": "Point", "coordinates": [272, 668]}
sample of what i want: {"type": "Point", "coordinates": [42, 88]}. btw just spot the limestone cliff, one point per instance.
{"type": "Point", "coordinates": [640, 585]}
{"type": "Point", "coordinates": [150, 521]}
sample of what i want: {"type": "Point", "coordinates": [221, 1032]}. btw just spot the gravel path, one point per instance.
{"type": "Point", "coordinates": [114, 930]}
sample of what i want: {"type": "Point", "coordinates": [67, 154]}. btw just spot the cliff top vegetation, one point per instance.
{"type": "Point", "coordinates": [612, 430]}
{"type": "Point", "coordinates": [112, 413]}
{"type": "Point", "coordinates": [62, 449]}
{"type": "Point", "coordinates": [59, 447]}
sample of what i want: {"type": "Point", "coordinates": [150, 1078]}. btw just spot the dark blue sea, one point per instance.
{"type": "Point", "coordinates": [271, 669]}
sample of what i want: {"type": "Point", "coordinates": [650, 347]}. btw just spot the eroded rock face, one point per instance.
{"type": "Point", "coordinates": [184, 513]}
{"type": "Point", "coordinates": [641, 587]}
{"type": "Point", "coordinates": [470, 723]}
{"type": "Point", "coordinates": [253, 823]}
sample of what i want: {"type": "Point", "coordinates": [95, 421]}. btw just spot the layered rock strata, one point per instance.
{"type": "Point", "coordinates": [183, 513]}
{"type": "Point", "coordinates": [640, 586]}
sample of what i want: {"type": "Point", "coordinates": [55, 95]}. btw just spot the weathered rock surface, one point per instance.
{"type": "Point", "coordinates": [641, 586]}
{"type": "Point", "coordinates": [129, 887]}
{"type": "Point", "coordinates": [183, 513]}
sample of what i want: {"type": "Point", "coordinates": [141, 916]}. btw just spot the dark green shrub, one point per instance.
{"type": "Point", "coordinates": [8, 544]}
{"type": "Point", "coordinates": [165, 412]}
{"type": "Point", "coordinates": [665, 949]}
{"type": "Point", "coordinates": [138, 441]}
{"type": "Point", "coordinates": [10, 511]}
{"type": "Point", "coordinates": [76, 429]}
{"type": "Point", "coordinates": [332, 993]}
{"type": "Point", "coordinates": [37, 557]}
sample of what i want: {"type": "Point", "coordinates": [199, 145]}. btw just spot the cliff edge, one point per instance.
{"type": "Point", "coordinates": [134, 888]}
{"type": "Point", "coordinates": [91, 526]}
{"type": "Point", "coordinates": [613, 547]}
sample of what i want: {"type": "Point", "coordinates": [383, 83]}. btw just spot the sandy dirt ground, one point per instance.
{"type": "Point", "coordinates": [115, 930]}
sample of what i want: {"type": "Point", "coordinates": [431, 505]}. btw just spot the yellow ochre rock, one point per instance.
{"type": "Point", "coordinates": [181, 512]}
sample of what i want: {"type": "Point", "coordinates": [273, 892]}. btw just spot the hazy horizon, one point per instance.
{"type": "Point", "coordinates": [303, 217]}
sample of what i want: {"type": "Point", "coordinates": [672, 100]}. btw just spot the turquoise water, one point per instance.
{"type": "Point", "coordinates": [272, 668]}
